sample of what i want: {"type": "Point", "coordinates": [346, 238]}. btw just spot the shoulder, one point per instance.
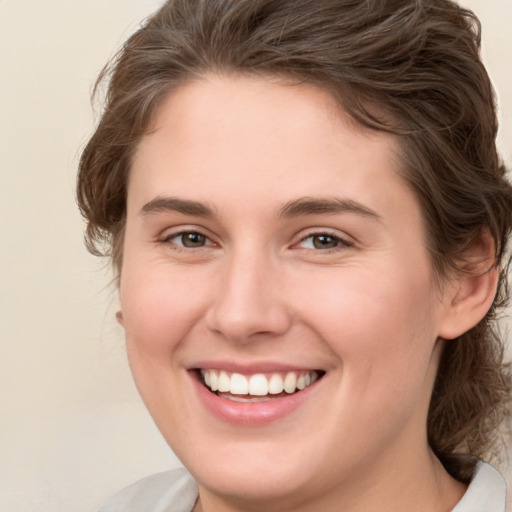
{"type": "Point", "coordinates": [171, 491]}
{"type": "Point", "coordinates": [487, 491]}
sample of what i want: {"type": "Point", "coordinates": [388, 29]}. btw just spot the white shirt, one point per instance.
{"type": "Point", "coordinates": [176, 491]}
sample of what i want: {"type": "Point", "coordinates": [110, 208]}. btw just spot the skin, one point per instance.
{"type": "Point", "coordinates": [260, 288]}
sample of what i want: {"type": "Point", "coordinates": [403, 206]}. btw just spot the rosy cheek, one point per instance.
{"type": "Point", "coordinates": [342, 305]}
{"type": "Point", "coordinates": [159, 309]}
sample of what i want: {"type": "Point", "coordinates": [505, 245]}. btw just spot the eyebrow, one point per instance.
{"type": "Point", "coordinates": [303, 206]}
{"type": "Point", "coordinates": [317, 206]}
{"type": "Point", "coordinates": [173, 204]}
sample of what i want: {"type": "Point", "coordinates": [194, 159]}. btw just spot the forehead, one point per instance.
{"type": "Point", "coordinates": [260, 130]}
{"type": "Point", "coordinates": [245, 101]}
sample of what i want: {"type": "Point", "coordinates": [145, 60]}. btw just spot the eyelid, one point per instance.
{"type": "Point", "coordinates": [168, 234]}
{"type": "Point", "coordinates": [208, 242]}
{"type": "Point", "coordinates": [344, 240]}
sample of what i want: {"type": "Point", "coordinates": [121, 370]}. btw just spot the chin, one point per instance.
{"type": "Point", "coordinates": [256, 485]}
{"type": "Point", "coordinates": [260, 473]}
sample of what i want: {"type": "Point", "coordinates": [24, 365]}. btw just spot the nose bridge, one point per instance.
{"type": "Point", "coordinates": [248, 303]}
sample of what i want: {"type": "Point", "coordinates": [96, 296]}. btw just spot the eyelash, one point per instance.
{"type": "Point", "coordinates": [341, 243]}
{"type": "Point", "coordinates": [181, 247]}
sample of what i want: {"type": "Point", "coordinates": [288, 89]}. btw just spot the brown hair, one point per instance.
{"type": "Point", "coordinates": [409, 67]}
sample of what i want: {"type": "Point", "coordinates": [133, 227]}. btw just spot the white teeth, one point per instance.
{"type": "Point", "coordinates": [257, 385]}
{"type": "Point", "coordinates": [275, 384]}
{"type": "Point", "coordinates": [290, 382]}
{"type": "Point", "coordinates": [224, 382]}
{"type": "Point", "coordinates": [214, 381]}
{"type": "Point", "coordinates": [239, 384]}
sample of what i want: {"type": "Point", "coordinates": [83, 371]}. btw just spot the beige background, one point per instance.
{"type": "Point", "coordinates": [72, 428]}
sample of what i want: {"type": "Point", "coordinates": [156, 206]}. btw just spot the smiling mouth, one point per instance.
{"type": "Point", "coordinates": [259, 387]}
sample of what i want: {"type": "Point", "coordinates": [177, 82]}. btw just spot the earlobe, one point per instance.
{"type": "Point", "coordinates": [471, 293]}
{"type": "Point", "coordinates": [120, 318]}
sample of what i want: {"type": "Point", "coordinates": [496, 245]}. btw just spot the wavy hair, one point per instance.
{"type": "Point", "coordinates": [408, 67]}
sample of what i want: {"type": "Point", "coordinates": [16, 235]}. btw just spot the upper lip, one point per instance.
{"type": "Point", "coordinates": [250, 368]}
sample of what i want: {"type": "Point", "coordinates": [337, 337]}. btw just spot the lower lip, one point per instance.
{"type": "Point", "coordinates": [251, 413]}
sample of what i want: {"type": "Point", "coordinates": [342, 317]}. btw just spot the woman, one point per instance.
{"type": "Point", "coordinates": [308, 219]}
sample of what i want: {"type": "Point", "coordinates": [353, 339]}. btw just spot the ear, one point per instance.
{"type": "Point", "coordinates": [120, 318]}
{"type": "Point", "coordinates": [469, 294]}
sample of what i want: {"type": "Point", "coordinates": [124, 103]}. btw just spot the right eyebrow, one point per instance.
{"type": "Point", "coordinates": [173, 204]}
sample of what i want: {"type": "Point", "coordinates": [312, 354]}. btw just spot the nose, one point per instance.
{"type": "Point", "coordinates": [249, 303]}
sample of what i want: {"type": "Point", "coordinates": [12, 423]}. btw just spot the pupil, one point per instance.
{"type": "Point", "coordinates": [193, 240]}
{"type": "Point", "coordinates": [324, 242]}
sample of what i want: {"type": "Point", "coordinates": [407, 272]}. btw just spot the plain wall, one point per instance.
{"type": "Point", "coordinates": [72, 427]}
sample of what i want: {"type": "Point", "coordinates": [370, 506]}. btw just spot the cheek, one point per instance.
{"type": "Point", "coordinates": [159, 306]}
{"type": "Point", "coordinates": [357, 302]}
{"type": "Point", "coordinates": [160, 309]}
{"type": "Point", "coordinates": [381, 324]}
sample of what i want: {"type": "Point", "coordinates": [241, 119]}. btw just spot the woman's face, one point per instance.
{"type": "Point", "coordinates": [269, 238]}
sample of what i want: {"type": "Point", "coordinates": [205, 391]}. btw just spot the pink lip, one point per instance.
{"type": "Point", "coordinates": [250, 414]}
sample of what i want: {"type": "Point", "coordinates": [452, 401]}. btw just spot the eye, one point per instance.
{"type": "Point", "coordinates": [189, 240]}
{"type": "Point", "coordinates": [323, 241]}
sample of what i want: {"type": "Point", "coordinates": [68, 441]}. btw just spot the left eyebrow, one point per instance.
{"type": "Point", "coordinates": [318, 206]}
